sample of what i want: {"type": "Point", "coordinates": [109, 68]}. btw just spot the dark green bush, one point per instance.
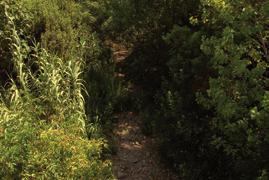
{"type": "Point", "coordinates": [238, 93]}
{"type": "Point", "coordinates": [202, 71]}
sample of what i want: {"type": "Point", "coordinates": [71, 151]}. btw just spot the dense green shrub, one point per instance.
{"type": "Point", "coordinates": [179, 121]}
{"type": "Point", "coordinates": [22, 21]}
{"type": "Point", "coordinates": [42, 126]}
{"type": "Point", "coordinates": [72, 30]}
{"type": "Point", "coordinates": [103, 89]}
{"type": "Point", "coordinates": [60, 26]}
{"type": "Point", "coordinates": [238, 49]}
{"type": "Point", "coordinates": [199, 74]}
{"type": "Point", "coordinates": [202, 71]}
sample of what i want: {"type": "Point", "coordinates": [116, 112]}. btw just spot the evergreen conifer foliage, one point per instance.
{"type": "Point", "coordinates": [238, 53]}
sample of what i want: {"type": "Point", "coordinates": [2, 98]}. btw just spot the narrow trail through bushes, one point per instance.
{"type": "Point", "coordinates": [136, 157]}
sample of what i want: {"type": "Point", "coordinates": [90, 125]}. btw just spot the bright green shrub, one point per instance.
{"type": "Point", "coordinates": [58, 25]}
{"type": "Point", "coordinates": [42, 126]}
{"type": "Point", "coordinates": [71, 30]}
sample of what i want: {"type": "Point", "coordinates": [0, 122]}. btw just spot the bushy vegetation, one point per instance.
{"type": "Point", "coordinates": [44, 128]}
{"type": "Point", "coordinates": [202, 71]}
{"type": "Point", "coordinates": [198, 68]}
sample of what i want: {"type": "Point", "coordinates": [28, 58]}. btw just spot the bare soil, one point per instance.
{"type": "Point", "coordinates": [136, 157]}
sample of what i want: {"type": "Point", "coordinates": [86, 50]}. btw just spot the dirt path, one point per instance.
{"type": "Point", "coordinates": [136, 158]}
